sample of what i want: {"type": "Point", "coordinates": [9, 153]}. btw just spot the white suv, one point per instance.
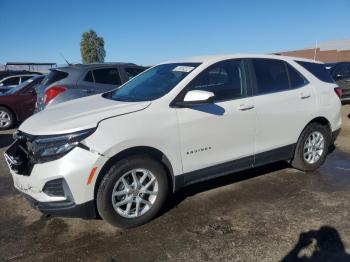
{"type": "Point", "coordinates": [119, 155]}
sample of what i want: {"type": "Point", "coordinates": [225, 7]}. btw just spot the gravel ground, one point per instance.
{"type": "Point", "coordinates": [271, 213]}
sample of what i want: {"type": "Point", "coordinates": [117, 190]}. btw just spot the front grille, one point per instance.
{"type": "Point", "coordinates": [19, 156]}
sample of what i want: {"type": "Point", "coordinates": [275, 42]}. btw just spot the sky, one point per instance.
{"type": "Point", "coordinates": [150, 31]}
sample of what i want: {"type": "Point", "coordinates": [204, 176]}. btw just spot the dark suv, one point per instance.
{"type": "Point", "coordinates": [75, 81]}
{"type": "Point", "coordinates": [341, 74]}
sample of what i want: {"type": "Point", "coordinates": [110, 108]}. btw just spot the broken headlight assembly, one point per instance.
{"type": "Point", "coordinates": [52, 147]}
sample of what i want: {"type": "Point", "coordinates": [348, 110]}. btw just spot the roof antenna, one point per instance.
{"type": "Point", "coordinates": [65, 59]}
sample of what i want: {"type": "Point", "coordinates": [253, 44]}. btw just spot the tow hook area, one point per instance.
{"type": "Point", "coordinates": [26, 188]}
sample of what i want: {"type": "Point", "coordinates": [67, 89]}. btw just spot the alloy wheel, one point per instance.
{"type": "Point", "coordinates": [5, 119]}
{"type": "Point", "coordinates": [314, 147]}
{"type": "Point", "coordinates": [134, 193]}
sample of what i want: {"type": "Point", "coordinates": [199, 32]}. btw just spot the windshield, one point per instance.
{"type": "Point", "coordinates": [152, 84]}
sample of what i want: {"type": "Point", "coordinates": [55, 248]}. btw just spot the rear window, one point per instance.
{"type": "Point", "coordinates": [54, 76]}
{"type": "Point", "coordinates": [318, 70]}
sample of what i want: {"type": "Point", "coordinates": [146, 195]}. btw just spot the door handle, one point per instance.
{"type": "Point", "coordinates": [245, 107]}
{"type": "Point", "coordinates": [304, 96]}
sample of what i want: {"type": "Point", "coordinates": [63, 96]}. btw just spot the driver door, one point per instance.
{"type": "Point", "coordinates": [219, 134]}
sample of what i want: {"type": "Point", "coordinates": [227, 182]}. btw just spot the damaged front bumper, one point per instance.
{"type": "Point", "coordinates": [57, 187]}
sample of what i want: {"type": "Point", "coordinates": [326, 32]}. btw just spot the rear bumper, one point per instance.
{"type": "Point", "coordinates": [65, 208]}
{"type": "Point", "coordinates": [346, 96]}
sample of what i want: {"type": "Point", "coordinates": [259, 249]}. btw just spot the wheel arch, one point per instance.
{"type": "Point", "coordinates": [137, 151]}
{"type": "Point", "coordinates": [321, 120]}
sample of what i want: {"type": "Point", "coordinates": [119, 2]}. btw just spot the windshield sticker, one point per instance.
{"type": "Point", "coordinates": [185, 69]}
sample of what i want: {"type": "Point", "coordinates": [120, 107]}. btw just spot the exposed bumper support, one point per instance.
{"type": "Point", "coordinates": [86, 210]}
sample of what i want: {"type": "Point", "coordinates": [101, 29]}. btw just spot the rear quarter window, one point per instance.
{"type": "Point", "coordinates": [318, 70]}
{"type": "Point", "coordinates": [296, 79]}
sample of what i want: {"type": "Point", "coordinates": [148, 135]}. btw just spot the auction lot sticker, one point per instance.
{"type": "Point", "coordinates": [185, 69]}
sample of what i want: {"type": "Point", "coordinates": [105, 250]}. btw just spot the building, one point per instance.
{"type": "Point", "coordinates": [330, 51]}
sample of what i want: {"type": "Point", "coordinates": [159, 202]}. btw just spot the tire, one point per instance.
{"type": "Point", "coordinates": [7, 118]}
{"type": "Point", "coordinates": [302, 157]}
{"type": "Point", "coordinates": [112, 182]}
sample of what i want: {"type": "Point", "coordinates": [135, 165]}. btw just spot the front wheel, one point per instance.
{"type": "Point", "coordinates": [312, 147]}
{"type": "Point", "coordinates": [6, 118]}
{"type": "Point", "coordinates": [132, 192]}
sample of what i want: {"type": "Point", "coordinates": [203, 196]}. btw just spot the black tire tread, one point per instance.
{"type": "Point", "coordinates": [298, 160]}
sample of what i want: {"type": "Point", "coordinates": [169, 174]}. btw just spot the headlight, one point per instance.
{"type": "Point", "coordinates": [48, 148]}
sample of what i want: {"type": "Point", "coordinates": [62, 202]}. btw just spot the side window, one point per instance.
{"type": "Point", "coordinates": [11, 81]}
{"type": "Point", "coordinates": [107, 76]}
{"type": "Point", "coordinates": [295, 78]}
{"type": "Point", "coordinates": [132, 72]}
{"type": "Point", "coordinates": [89, 77]}
{"type": "Point", "coordinates": [271, 76]}
{"type": "Point", "coordinates": [318, 70]}
{"type": "Point", "coordinates": [24, 78]}
{"type": "Point", "coordinates": [225, 79]}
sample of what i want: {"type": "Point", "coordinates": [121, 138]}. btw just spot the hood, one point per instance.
{"type": "Point", "coordinates": [77, 114]}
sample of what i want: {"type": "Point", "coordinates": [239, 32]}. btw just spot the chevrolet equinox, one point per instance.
{"type": "Point", "coordinates": [119, 154]}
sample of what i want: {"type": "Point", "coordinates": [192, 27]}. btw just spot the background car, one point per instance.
{"type": "Point", "coordinates": [14, 80]}
{"type": "Point", "coordinates": [18, 103]}
{"type": "Point", "coordinates": [341, 74]}
{"type": "Point", "coordinates": [75, 81]}
{"type": "Point", "coordinates": [6, 73]}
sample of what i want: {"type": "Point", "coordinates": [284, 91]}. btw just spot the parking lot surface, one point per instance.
{"type": "Point", "coordinates": [271, 213]}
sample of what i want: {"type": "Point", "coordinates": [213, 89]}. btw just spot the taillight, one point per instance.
{"type": "Point", "coordinates": [338, 91]}
{"type": "Point", "coordinates": [52, 92]}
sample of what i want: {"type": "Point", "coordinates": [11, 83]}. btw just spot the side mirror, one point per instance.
{"type": "Point", "coordinates": [196, 97]}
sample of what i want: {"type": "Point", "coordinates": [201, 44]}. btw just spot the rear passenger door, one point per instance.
{"type": "Point", "coordinates": [100, 80]}
{"type": "Point", "coordinates": [284, 101]}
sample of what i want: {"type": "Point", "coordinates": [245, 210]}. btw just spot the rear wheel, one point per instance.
{"type": "Point", "coordinates": [6, 118]}
{"type": "Point", "coordinates": [132, 192]}
{"type": "Point", "coordinates": [312, 147]}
